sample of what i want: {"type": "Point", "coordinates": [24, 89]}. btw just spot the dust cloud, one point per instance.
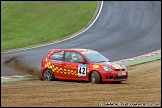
{"type": "Point", "coordinates": [16, 62]}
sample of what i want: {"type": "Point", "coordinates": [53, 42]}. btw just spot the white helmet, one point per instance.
{"type": "Point", "coordinates": [74, 57]}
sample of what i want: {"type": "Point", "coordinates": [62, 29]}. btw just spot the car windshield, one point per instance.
{"type": "Point", "coordinates": [94, 56]}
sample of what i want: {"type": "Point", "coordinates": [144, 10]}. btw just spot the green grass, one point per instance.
{"type": "Point", "coordinates": [25, 23]}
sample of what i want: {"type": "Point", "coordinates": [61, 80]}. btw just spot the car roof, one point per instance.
{"type": "Point", "coordinates": [72, 49]}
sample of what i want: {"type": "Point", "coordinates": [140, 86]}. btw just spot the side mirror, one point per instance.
{"type": "Point", "coordinates": [81, 61]}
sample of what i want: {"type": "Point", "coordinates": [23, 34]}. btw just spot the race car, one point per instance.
{"type": "Point", "coordinates": [81, 65]}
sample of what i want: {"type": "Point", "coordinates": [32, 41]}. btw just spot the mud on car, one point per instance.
{"type": "Point", "coordinates": [81, 65]}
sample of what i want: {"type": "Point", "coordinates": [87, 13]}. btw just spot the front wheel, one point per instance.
{"type": "Point", "coordinates": [49, 74]}
{"type": "Point", "coordinates": [95, 77]}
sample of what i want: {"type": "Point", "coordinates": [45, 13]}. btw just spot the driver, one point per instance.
{"type": "Point", "coordinates": [74, 57]}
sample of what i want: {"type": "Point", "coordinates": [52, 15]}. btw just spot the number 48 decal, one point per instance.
{"type": "Point", "coordinates": [82, 70]}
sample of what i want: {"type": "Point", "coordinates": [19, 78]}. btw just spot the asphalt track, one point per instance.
{"type": "Point", "coordinates": [124, 29]}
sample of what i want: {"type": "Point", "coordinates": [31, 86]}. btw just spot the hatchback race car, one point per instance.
{"type": "Point", "coordinates": [81, 65]}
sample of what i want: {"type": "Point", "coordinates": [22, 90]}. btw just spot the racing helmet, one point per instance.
{"type": "Point", "coordinates": [74, 57]}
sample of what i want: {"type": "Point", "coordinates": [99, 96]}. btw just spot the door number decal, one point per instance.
{"type": "Point", "coordinates": [82, 70]}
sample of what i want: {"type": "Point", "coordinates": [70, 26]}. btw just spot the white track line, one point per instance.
{"type": "Point", "coordinates": [60, 40]}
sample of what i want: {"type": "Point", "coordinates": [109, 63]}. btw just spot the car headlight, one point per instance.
{"type": "Point", "coordinates": [106, 68]}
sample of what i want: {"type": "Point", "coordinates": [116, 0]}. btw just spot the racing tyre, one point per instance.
{"type": "Point", "coordinates": [49, 74]}
{"type": "Point", "coordinates": [95, 77]}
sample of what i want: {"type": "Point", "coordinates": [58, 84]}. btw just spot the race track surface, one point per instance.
{"type": "Point", "coordinates": [123, 29]}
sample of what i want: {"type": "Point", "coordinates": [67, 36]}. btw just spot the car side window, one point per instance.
{"type": "Point", "coordinates": [57, 56]}
{"type": "Point", "coordinates": [73, 57]}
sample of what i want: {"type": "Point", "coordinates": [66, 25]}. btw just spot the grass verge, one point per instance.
{"type": "Point", "coordinates": [25, 23]}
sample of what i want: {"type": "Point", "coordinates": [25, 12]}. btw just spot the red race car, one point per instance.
{"type": "Point", "coordinates": [81, 65]}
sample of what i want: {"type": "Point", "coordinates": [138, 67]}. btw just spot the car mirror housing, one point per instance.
{"type": "Point", "coordinates": [81, 61]}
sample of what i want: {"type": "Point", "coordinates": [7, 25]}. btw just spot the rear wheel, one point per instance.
{"type": "Point", "coordinates": [49, 74]}
{"type": "Point", "coordinates": [95, 77]}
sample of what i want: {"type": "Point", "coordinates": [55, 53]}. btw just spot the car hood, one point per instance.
{"type": "Point", "coordinates": [112, 65]}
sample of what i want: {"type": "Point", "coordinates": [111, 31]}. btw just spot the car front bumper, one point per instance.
{"type": "Point", "coordinates": [114, 76]}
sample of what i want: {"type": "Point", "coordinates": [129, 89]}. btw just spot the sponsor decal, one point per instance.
{"type": "Point", "coordinates": [55, 62]}
{"type": "Point", "coordinates": [116, 66]}
{"type": "Point", "coordinates": [95, 66]}
{"type": "Point", "coordinates": [70, 66]}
